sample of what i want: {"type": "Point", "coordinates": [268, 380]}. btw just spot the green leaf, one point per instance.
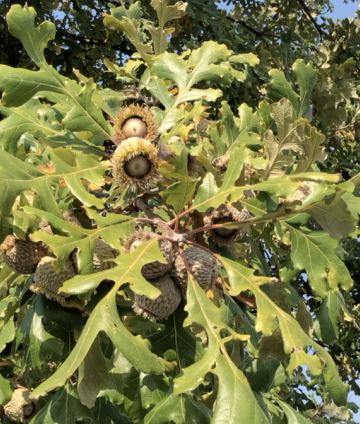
{"type": "Point", "coordinates": [93, 375]}
{"type": "Point", "coordinates": [280, 150]}
{"type": "Point", "coordinates": [43, 346]}
{"type": "Point", "coordinates": [279, 87]}
{"type": "Point", "coordinates": [64, 407]}
{"type": "Point", "coordinates": [165, 14]}
{"type": "Point", "coordinates": [334, 217]}
{"type": "Point", "coordinates": [208, 63]}
{"type": "Point", "coordinates": [127, 21]}
{"type": "Point", "coordinates": [315, 252]}
{"type": "Point", "coordinates": [216, 360]}
{"type": "Point", "coordinates": [105, 318]}
{"type": "Point", "coordinates": [293, 337]}
{"type": "Point", "coordinates": [248, 58]}
{"type": "Point", "coordinates": [179, 193]}
{"type": "Point", "coordinates": [5, 391]}
{"type": "Point", "coordinates": [292, 416]}
{"type": "Point", "coordinates": [326, 324]}
{"type": "Point", "coordinates": [312, 142]}
{"type": "Point", "coordinates": [20, 85]}
{"type": "Point", "coordinates": [179, 409]}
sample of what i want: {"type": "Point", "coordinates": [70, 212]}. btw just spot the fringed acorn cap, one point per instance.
{"type": "Point", "coordinates": [221, 162]}
{"type": "Point", "coordinates": [48, 281]}
{"type": "Point", "coordinates": [21, 408]}
{"type": "Point", "coordinates": [202, 266]}
{"type": "Point", "coordinates": [302, 192]}
{"type": "Point", "coordinates": [134, 121]}
{"type": "Point", "coordinates": [135, 164]}
{"type": "Point", "coordinates": [164, 305]}
{"type": "Point", "coordinates": [221, 215]}
{"type": "Point", "coordinates": [22, 256]}
{"type": "Point", "coordinates": [102, 253]}
{"type": "Point", "coordinates": [154, 269]}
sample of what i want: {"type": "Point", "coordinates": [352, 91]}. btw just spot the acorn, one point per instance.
{"type": "Point", "coordinates": [20, 408]}
{"type": "Point", "coordinates": [22, 256]}
{"type": "Point", "coordinates": [164, 305]}
{"type": "Point", "coordinates": [202, 266]}
{"type": "Point", "coordinates": [302, 192]}
{"type": "Point", "coordinates": [103, 252]}
{"type": "Point", "coordinates": [134, 121]}
{"type": "Point", "coordinates": [135, 164]}
{"type": "Point", "coordinates": [221, 162]}
{"type": "Point", "coordinates": [221, 215]}
{"type": "Point", "coordinates": [154, 269]}
{"type": "Point", "coordinates": [48, 281]}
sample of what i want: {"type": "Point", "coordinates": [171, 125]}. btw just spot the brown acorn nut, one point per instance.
{"type": "Point", "coordinates": [202, 266]}
{"type": "Point", "coordinates": [135, 164]}
{"type": "Point", "coordinates": [164, 305]}
{"type": "Point", "coordinates": [134, 121]}
{"type": "Point", "coordinates": [48, 281]}
{"type": "Point", "coordinates": [154, 269]}
{"type": "Point", "coordinates": [22, 256]}
{"type": "Point", "coordinates": [222, 214]}
{"type": "Point", "coordinates": [20, 408]}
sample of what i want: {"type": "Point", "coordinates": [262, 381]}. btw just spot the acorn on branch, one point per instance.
{"type": "Point", "coordinates": [47, 280]}
{"type": "Point", "coordinates": [164, 305]}
{"type": "Point", "coordinates": [135, 164]}
{"type": "Point", "coordinates": [154, 269]}
{"type": "Point", "coordinates": [22, 256]}
{"type": "Point", "coordinates": [21, 408]}
{"type": "Point", "coordinates": [134, 121]}
{"type": "Point", "coordinates": [201, 264]}
{"type": "Point", "coordinates": [221, 215]}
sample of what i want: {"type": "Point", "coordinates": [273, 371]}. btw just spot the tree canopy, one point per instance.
{"type": "Point", "coordinates": [179, 212]}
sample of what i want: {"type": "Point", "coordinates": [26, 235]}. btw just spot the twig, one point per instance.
{"type": "Point", "coordinates": [313, 20]}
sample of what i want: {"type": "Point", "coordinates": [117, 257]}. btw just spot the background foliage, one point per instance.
{"type": "Point", "coordinates": [276, 84]}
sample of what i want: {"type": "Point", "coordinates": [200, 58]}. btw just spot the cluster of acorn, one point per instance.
{"type": "Point", "coordinates": [170, 277]}
{"type": "Point", "coordinates": [135, 165]}
{"type": "Point", "coordinates": [135, 161]}
{"type": "Point", "coordinates": [28, 257]}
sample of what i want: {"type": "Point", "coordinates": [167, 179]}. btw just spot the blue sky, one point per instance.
{"type": "Point", "coordinates": [344, 10]}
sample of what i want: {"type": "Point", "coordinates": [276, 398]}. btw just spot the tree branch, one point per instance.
{"type": "Point", "coordinates": [313, 20]}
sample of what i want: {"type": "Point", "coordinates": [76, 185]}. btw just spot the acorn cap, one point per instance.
{"type": "Point", "coordinates": [202, 266]}
{"type": "Point", "coordinates": [221, 162]}
{"type": "Point", "coordinates": [222, 214]}
{"type": "Point", "coordinates": [48, 281]}
{"type": "Point", "coordinates": [154, 269]}
{"type": "Point", "coordinates": [135, 164]}
{"type": "Point", "coordinates": [134, 121]}
{"type": "Point", "coordinates": [22, 256]}
{"type": "Point", "coordinates": [164, 305]}
{"type": "Point", "coordinates": [302, 192]}
{"type": "Point", "coordinates": [103, 252]}
{"type": "Point", "coordinates": [20, 408]}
